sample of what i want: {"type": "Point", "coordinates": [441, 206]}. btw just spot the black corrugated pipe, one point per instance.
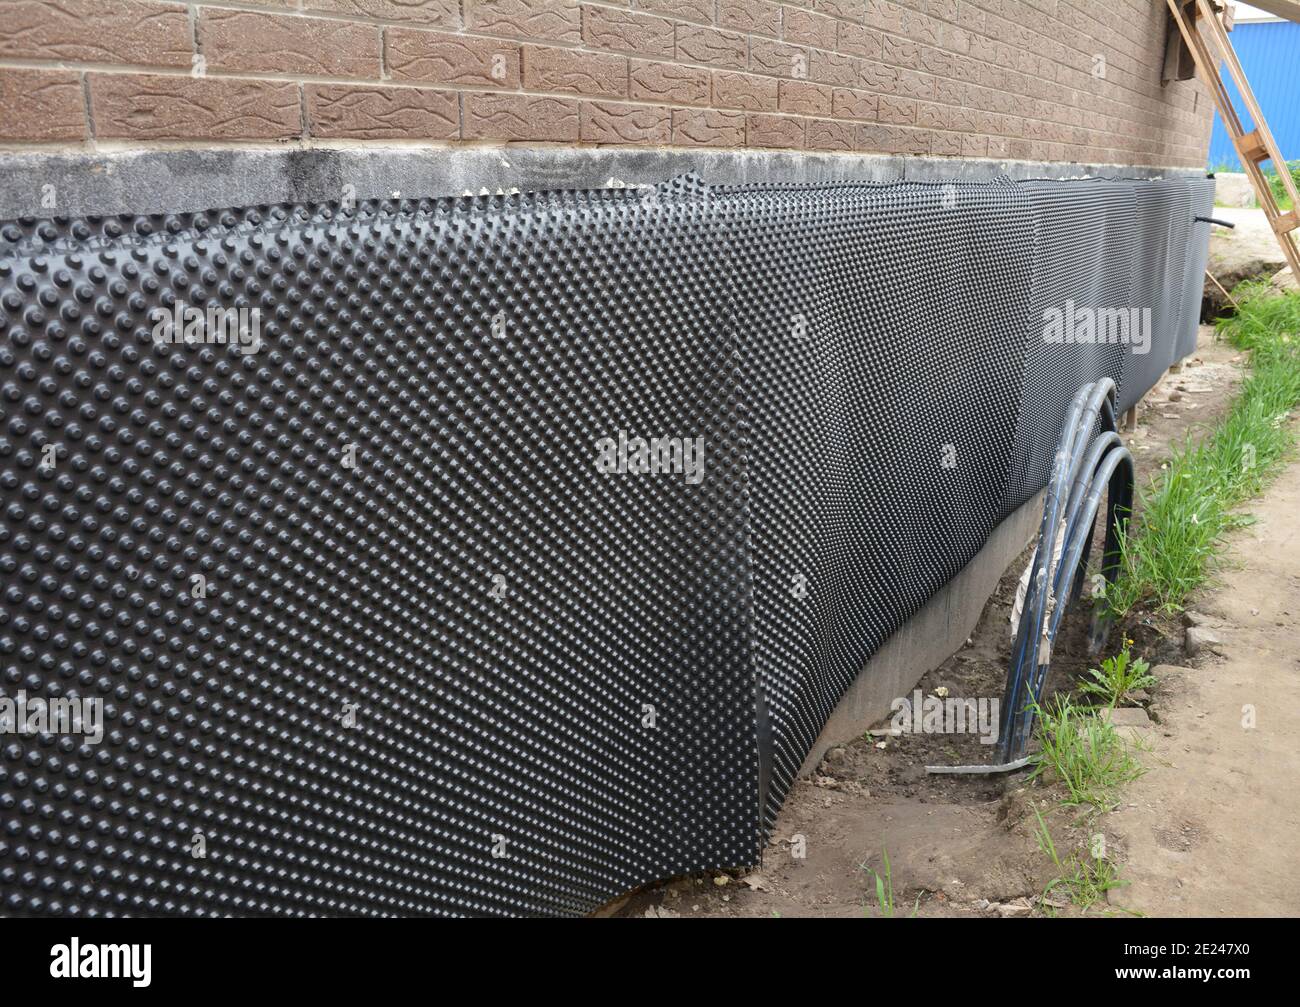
{"type": "Point", "coordinates": [1085, 463]}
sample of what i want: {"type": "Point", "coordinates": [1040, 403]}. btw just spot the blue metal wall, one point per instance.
{"type": "Point", "coordinates": [1270, 54]}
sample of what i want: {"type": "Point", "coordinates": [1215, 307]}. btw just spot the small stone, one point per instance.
{"type": "Point", "coordinates": [1127, 716]}
{"type": "Point", "coordinates": [1191, 618]}
{"type": "Point", "coordinates": [1199, 639]}
{"type": "Point", "coordinates": [756, 883]}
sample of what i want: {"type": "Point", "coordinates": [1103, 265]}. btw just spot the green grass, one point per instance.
{"type": "Point", "coordinates": [1275, 183]}
{"type": "Point", "coordinates": [1085, 879]}
{"type": "Point", "coordinates": [1085, 752]}
{"type": "Point", "coordinates": [885, 889]}
{"type": "Point", "coordinates": [1117, 677]}
{"type": "Point", "coordinates": [1272, 177]}
{"type": "Point", "coordinates": [1184, 511]}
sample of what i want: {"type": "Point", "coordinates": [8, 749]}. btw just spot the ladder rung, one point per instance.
{"type": "Point", "coordinates": [1285, 222]}
{"type": "Point", "coordinates": [1252, 147]}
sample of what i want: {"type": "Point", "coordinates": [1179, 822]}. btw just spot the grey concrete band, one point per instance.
{"type": "Point", "coordinates": [170, 181]}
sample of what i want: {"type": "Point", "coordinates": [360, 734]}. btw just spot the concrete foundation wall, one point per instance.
{"type": "Point", "coordinates": [171, 181]}
{"type": "Point", "coordinates": [930, 637]}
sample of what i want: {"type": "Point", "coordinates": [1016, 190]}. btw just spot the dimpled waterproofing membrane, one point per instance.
{"type": "Point", "coordinates": [1197, 258]}
{"type": "Point", "coordinates": [1162, 226]}
{"type": "Point", "coordinates": [863, 505]}
{"type": "Point", "coordinates": [374, 631]}
{"type": "Point", "coordinates": [1091, 262]}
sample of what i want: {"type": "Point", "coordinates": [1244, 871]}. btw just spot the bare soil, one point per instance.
{"type": "Point", "coordinates": [967, 846]}
{"type": "Point", "coordinates": [1211, 829]}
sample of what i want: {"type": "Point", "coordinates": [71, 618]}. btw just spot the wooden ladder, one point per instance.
{"type": "Point", "coordinates": [1253, 147]}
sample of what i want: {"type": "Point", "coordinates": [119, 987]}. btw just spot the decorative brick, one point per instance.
{"type": "Point", "coordinates": [779, 59]}
{"type": "Point", "coordinates": [914, 85]}
{"type": "Point", "coordinates": [153, 107]}
{"type": "Point", "coordinates": [825, 134]}
{"type": "Point", "coordinates": [91, 31]}
{"type": "Point", "coordinates": [668, 83]}
{"type": "Point", "coordinates": [849, 10]}
{"type": "Point", "coordinates": [806, 28]}
{"type": "Point", "coordinates": [945, 9]}
{"type": "Point", "coordinates": [708, 128]}
{"type": "Point", "coordinates": [847, 103]}
{"type": "Point", "coordinates": [858, 40]}
{"type": "Point", "coordinates": [625, 31]}
{"type": "Point", "coordinates": [451, 59]}
{"type": "Point", "coordinates": [41, 105]}
{"type": "Point", "coordinates": [519, 117]}
{"type": "Point", "coordinates": [957, 40]}
{"type": "Point", "coordinates": [278, 43]}
{"type": "Point", "coordinates": [923, 28]}
{"type": "Point", "coordinates": [945, 144]}
{"type": "Point", "coordinates": [745, 91]}
{"type": "Point", "coordinates": [895, 139]}
{"type": "Point", "coordinates": [381, 113]}
{"type": "Point", "coordinates": [901, 52]}
{"type": "Point", "coordinates": [685, 10]}
{"type": "Point", "coordinates": [774, 131]}
{"type": "Point", "coordinates": [834, 68]}
{"type": "Point", "coordinates": [549, 20]}
{"type": "Point", "coordinates": [897, 111]}
{"type": "Point", "coordinates": [612, 122]}
{"type": "Point", "coordinates": [802, 98]}
{"type": "Point", "coordinates": [429, 13]}
{"type": "Point", "coordinates": [547, 68]}
{"type": "Point", "coordinates": [758, 16]}
{"type": "Point", "coordinates": [709, 45]}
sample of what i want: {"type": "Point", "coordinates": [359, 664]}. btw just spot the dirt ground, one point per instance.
{"type": "Point", "coordinates": [1211, 829]}
{"type": "Point", "coordinates": [1207, 831]}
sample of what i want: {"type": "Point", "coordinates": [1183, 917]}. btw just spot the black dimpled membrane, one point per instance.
{"type": "Point", "coordinates": [1163, 224]}
{"type": "Point", "coordinates": [1197, 258]}
{"type": "Point", "coordinates": [1083, 265]}
{"type": "Point", "coordinates": [882, 328]}
{"type": "Point", "coordinates": [374, 628]}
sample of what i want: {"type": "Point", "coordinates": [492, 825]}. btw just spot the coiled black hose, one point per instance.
{"type": "Point", "coordinates": [1087, 464]}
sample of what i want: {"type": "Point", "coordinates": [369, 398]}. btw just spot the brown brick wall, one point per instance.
{"type": "Point", "coordinates": [1043, 80]}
